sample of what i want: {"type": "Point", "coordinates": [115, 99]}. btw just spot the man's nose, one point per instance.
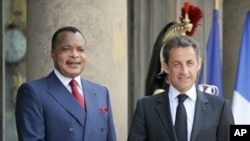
{"type": "Point", "coordinates": [74, 53]}
{"type": "Point", "coordinates": [184, 69]}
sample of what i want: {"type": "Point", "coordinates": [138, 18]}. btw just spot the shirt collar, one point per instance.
{"type": "Point", "coordinates": [173, 93]}
{"type": "Point", "coordinates": [66, 80]}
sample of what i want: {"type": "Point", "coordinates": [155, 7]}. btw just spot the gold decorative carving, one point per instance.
{"type": "Point", "coordinates": [17, 18]}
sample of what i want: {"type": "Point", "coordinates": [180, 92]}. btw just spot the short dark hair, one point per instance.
{"type": "Point", "coordinates": [180, 41]}
{"type": "Point", "coordinates": [67, 28]}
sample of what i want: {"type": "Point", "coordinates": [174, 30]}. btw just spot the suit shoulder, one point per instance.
{"type": "Point", "coordinates": [213, 97]}
{"type": "Point", "coordinates": [153, 97]}
{"type": "Point", "coordinates": [217, 100]}
{"type": "Point", "coordinates": [93, 83]}
{"type": "Point", "coordinates": [36, 82]}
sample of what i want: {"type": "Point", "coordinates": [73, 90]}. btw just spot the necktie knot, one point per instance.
{"type": "Point", "coordinates": [73, 83]}
{"type": "Point", "coordinates": [182, 97]}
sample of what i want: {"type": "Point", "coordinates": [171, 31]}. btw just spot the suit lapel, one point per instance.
{"type": "Point", "coordinates": [201, 111]}
{"type": "Point", "coordinates": [164, 112]}
{"type": "Point", "coordinates": [58, 91]}
{"type": "Point", "coordinates": [92, 109]}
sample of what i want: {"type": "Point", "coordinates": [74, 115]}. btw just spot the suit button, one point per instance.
{"type": "Point", "coordinates": [70, 130]}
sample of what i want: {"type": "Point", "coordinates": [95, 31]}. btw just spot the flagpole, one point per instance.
{"type": "Point", "coordinates": [204, 46]}
{"type": "Point", "coordinates": [216, 4]}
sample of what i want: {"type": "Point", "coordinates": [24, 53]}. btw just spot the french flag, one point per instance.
{"type": "Point", "coordinates": [241, 97]}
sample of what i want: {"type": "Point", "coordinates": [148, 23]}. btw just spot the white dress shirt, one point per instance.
{"type": "Point", "coordinates": [65, 81]}
{"type": "Point", "coordinates": [189, 104]}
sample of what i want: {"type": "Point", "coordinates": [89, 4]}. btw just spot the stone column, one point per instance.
{"type": "Point", "coordinates": [104, 24]}
{"type": "Point", "coordinates": [2, 68]}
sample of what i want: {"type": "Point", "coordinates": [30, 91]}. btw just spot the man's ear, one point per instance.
{"type": "Point", "coordinates": [200, 61]}
{"type": "Point", "coordinates": [52, 53]}
{"type": "Point", "coordinates": [165, 67]}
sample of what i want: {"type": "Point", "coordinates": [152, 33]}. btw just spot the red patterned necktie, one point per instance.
{"type": "Point", "coordinates": [76, 93]}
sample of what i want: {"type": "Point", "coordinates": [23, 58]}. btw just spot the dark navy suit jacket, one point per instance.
{"type": "Point", "coordinates": [47, 111]}
{"type": "Point", "coordinates": [152, 119]}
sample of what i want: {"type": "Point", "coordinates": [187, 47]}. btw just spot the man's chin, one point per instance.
{"type": "Point", "coordinates": [73, 74]}
{"type": "Point", "coordinates": [183, 89]}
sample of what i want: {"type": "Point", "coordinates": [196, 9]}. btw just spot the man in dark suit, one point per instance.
{"type": "Point", "coordinates": [204, 117]}
{"type": "Point", "coordinates": [50, 109]}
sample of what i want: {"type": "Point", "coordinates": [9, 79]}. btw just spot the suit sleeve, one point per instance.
{"type": "Point", "coordinates": [111, 127]}
{"type": "Point", "coordinates": [29, 117]}
{"type": "Point", "coordinates": [137, 130]}
{"type": "Point", "coordinates": [226, 120]}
